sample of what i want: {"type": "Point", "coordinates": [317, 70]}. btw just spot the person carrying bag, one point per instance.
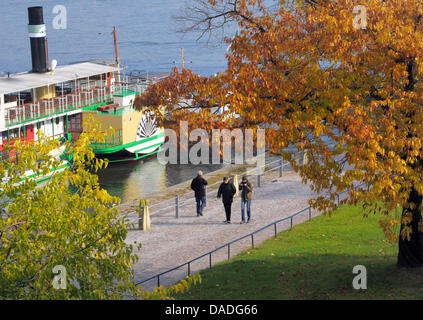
{"type": "Point", "coordinates": [246, 189]}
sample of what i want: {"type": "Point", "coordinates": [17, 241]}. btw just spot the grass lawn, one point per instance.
{"type": "Point", "coordinates": [314, 261]}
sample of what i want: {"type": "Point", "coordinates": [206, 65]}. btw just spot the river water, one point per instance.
{"type": "Point", "coordinates": [147, 40]}
{"type": "Point", "coordinates": [147, 37]}
{"type": "Point", "coordinates": [132, 179]}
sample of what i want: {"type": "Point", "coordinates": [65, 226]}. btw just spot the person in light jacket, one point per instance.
{"type": "Point", "coordinates": [227, 191]}
{"type": "Point", "coordinates": [246, 188]}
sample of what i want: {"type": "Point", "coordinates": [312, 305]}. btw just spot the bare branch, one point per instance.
{"type": "Point", "coordinates": [203, 17]}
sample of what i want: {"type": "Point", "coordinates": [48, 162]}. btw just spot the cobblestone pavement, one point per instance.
{"type": "Point", "coordinates": [171, 241]}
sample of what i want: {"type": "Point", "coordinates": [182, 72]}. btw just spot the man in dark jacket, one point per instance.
{"type": "Point", "coordinates": [227, 191]}
{"type": "Point", "coordinates": [246, 188]}
{"type": "Point", "coordinates": [198, 185]}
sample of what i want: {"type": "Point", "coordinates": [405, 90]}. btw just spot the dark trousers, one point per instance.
{"type": "Point", "coordinates": [228, 210]}
{"type": "Point", "coordinates": [201, 203]}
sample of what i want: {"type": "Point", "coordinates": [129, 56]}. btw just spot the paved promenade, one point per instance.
{"type": "Point", "coordinates": [171, 242]}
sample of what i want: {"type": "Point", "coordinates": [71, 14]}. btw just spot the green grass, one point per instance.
{"type": "Point", "coordinates": [315, 261]}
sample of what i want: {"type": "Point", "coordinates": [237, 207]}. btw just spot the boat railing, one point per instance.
{"type": "Point", "coordinates": [91, 84]}
{"type": "Point", "coordinates": [46, 107]}
{"type": "Point", "coordinates": [110, 140]}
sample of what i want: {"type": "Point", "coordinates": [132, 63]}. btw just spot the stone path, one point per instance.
{"type": "Point", "coordinates": [171, 242]}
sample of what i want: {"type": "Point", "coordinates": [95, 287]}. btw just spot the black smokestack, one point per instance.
{"type": "Point", "coordinates": [37, 35]}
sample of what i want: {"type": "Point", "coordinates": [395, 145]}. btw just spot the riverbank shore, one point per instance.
{"type": "Point", "coordinates": [129, 207]}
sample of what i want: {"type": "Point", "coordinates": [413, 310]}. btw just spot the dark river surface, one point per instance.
{"type": "Point", "coordinates": [129, 180]}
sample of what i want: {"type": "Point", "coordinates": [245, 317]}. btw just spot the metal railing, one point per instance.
{"type": "Point", "coordinates": [179, 200]}
{"type": "Point", "coordinates": [109, 141]}
{"type": "Point", "coordinates": [39, 109]}
{"type": "Point", "coordinates": [228, 244]}
{"type": "Point", "coordinates": [185, 199]}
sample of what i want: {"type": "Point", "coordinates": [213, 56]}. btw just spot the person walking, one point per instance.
{"type": "Point", "coordinates": [198, 185]}
{"type": "Point", "coordinates": [246, 188]}
{"type": "Point", "coordinates": [227, 191]}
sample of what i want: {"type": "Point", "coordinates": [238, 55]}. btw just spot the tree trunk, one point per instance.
{"type": "Point", "coordinates": [410, 253]}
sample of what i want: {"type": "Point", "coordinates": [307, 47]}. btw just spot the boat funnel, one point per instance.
{"type": "Point", "coordinates": [37, 35]}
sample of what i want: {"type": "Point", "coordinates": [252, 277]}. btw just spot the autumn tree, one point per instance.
{"type": "Point", "coordinates": [348, 91]}
{"type": "Point", "coordinates": [68, 221]}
